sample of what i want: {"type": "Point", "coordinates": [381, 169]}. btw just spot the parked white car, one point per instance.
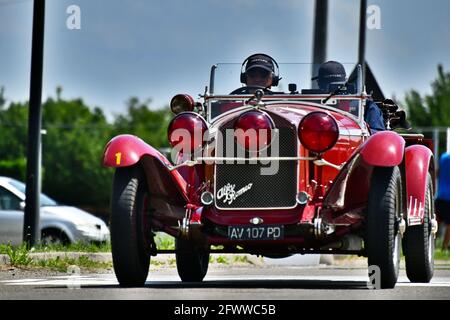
{"type": "Point", "coordinates": [58, 223]}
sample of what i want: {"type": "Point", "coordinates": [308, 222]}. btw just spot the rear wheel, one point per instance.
{"type": "Point", "coordinates": [419, 243]}
{"type": "Point", "coordinates": [130, 233]}
{"type": "Point", "coordinates": [383, 218]}
{"type": "Point", "coordinates": [192, 260]}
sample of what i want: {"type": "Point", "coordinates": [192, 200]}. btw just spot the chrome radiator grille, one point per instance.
{"type": "Point", "coordinates": [243, 186]}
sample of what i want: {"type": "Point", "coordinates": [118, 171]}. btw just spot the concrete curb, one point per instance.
{"type": "Point", "coordinates": [106, 257]}
{"type": "Point", "coordinates": [4, 259]}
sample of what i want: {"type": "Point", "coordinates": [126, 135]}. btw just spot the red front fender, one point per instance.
{"type": "Point", "coordinates": [384, 149]}
{"type": "Point", "coordinates": [126, 150]}
{"type": "Point", "coordinates": [417, 165]}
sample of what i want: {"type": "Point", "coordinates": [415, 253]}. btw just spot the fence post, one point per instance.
{"type": "Point", "coordinates": [436, 142]}
{"type": "Point", "coordinates": [448, 140]}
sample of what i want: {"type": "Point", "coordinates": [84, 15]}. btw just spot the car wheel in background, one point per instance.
{"type": "Point", "coordinates": [419, 243]}
{"type": "Point", "coordinates": [192, 260]}
{"type": "Point", "coordinates": [383, 239]}
{"type": "Point", "coordinates": [130, 234]}
{"type": "Point", "coordinates": [54, 237]}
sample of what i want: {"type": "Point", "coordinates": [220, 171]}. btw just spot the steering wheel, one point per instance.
{"type": "Point", "coordinates": [250, 90]}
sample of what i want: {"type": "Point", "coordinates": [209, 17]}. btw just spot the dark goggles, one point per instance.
{"type": "Point", "coordinates": [258, 73]}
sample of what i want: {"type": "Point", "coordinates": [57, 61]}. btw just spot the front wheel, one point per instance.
{"type": "Point", "coordinates": [192, 260]}
{"type": "Point", "coordinates": [419, 243]}
{"type": "Point", "coordinates": [384, 214]}
{"type": "Point", "coordinates": [130, 234]}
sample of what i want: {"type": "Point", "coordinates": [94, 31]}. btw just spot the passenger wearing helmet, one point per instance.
{"type": "Point", "coordinates": [331, 74]}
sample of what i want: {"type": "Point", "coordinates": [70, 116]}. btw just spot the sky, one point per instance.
{"type": "Point", "coordinates": [158, 48]}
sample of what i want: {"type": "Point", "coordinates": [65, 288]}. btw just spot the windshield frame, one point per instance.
{"type": "Point", "coordinates": [360, 95]}
{"type": "Point", "coordinates": [269, 100]}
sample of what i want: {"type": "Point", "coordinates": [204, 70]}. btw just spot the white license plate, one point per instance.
{"type": "Point", "coordinates": [255, 232]}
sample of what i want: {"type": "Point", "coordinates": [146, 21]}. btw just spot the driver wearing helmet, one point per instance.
{"type": "Point", "coordinates": [258, 71]}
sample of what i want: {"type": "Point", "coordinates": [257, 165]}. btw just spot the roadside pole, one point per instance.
{"type": "Point", "coordinates": [320, 37]}
{"type": "Point", "coordinates": [436, 142]}
{"type": "Point", "coordinates": [31, 234]}
{"type": "Point", "coordinates": [448, 140]}
{"type": "Point", "coordinates": [362, 38]}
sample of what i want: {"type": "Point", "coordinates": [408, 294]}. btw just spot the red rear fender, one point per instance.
{"type": "Point", "coordinates": [418, 159]}
{"type": "Point", "coordinates": [384, 149]}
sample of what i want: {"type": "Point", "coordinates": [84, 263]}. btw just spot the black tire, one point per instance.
{"type": "Point", "coordinates": [130, 234]}
{"type": "Point", "coordinates": [419, 243]}
{"type": "Point", "coordinates": [385, 208]}
{"type": "Point", "coordinates": [54, 237]}
{"type": "Point", "coordinates": [192, 261]}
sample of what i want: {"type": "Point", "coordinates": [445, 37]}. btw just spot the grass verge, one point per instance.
{"type": "Point", "coordinates": [442, 255]}
{"type": "Point", "coordinates": [73, 247]}
{"type": "Point", "coordinates": [63, 264]}
{"type": "Point", "coordinates": [19, 257]}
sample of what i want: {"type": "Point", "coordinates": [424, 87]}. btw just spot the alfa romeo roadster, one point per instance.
{"type": "Point", "coordinates": [274, 173]}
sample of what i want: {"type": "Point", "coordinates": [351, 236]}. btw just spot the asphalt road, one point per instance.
{"type": "Point", "coordinates": [267, 282]}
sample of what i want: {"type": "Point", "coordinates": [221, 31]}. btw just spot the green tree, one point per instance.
{"type": "Point", "coordinates": [140, 120]}
{"type": "Point", "coordinates": [72, 150]}
{"type": "Point", "coordinates": [2, 97]}
{"type": "Point", "coordinates": [73, 144]}
{"type": "Point", "coordinates": [13, 136]}
{"type": "Point", "coordinates": [432, 110]}
{"type": "Point", "coordinates": [13, 121]}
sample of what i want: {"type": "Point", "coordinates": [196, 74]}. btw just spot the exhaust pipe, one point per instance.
{"type": "Point", "coordinates": [350, 242]}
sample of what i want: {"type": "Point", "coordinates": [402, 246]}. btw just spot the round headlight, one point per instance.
{"type": "Point", "coordinates": [181, 103]}
{"type": "Point", "coordinates": [253, 130]}
{"type": "Point", "coordinates": [186, 131]}
{"type": "Point", "coordinates": [318, 132]}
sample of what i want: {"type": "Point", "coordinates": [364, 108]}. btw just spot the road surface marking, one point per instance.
{"type": "Point", "coordinates": [108, 280]}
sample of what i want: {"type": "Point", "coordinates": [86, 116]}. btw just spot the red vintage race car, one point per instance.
{"type": "Point", "coordinates": [274, 174]}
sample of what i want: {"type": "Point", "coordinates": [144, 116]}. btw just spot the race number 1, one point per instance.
{"type": "Point", "coordinates": [118, 157]}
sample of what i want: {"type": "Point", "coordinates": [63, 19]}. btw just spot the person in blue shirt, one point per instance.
{"type": "Point", "coordinates": [333, 72]}
{"type": "Point", "coordinates": [443, 196]}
